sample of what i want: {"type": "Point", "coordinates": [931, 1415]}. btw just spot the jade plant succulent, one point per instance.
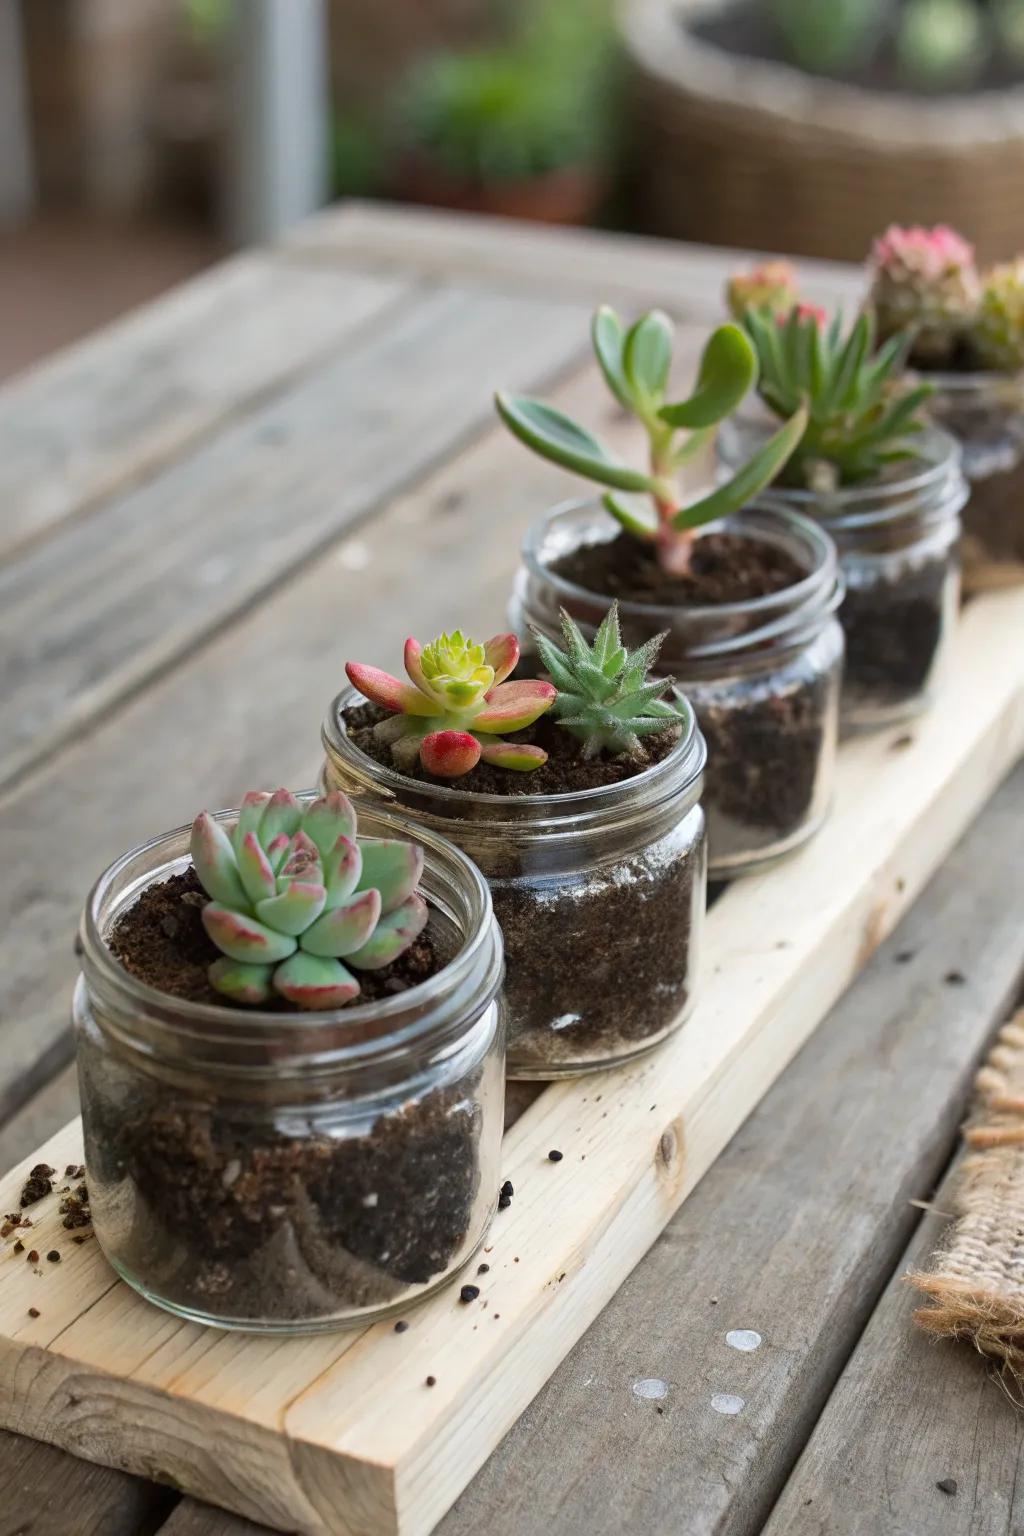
{"type": "Point", "coordinates": [924, 281]}
{"type": "Point", "coordinates": [452, 711]}
{"type": "Point", "coordinates": [605, 696]}
{"type": "Point", "coordinates": [861, 416]}
{"type": "Point", "coordinates": [636, 362]}
{"type": "Point", "coordinates": [294, 893]}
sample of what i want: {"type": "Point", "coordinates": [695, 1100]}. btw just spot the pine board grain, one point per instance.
{"type": "Point", "coordinates": [350, 1441]}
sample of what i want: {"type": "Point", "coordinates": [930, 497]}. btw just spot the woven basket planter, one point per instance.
{"type": "Point", "coordinates": [746, 152]}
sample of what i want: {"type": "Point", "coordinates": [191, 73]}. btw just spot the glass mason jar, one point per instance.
{"type": "Point", "coordinates": [897, 542]}
{"type": "Point", "coordinates": [762, 675]}
{"type": "Point", "coordinates": [600, 895]}
{"type": "Point", "coordinates": [293, 1172]}
{"type": "Point", "coordinates": [985, 413]}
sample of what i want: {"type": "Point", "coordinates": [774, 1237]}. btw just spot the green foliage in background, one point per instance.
{"type": "Point", "coordinates": [534, 104]}
{"type": "Point", "coordinates": [941, 44]}
{"type": "Point", "coordinates": [828, 36]}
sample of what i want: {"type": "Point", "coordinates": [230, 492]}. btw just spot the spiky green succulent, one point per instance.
{"type": "Point", "coordinates": [861, 416]}
{"type": "Point", "coordinates": [636, 362]}
{"type": "Point", "coordinates": [452, 711]}
{"type": "Point", "coordinates": [605, 696]}
{"type": "Point", "coordinates": [294, 893]}
{"type": "Point", "coordinates": [923, 281]}
{"type": "Point", "coordinates": [998, 331]}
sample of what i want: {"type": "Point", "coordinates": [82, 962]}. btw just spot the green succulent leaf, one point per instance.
{"type": "Point", "coordinates": [558, 438]}
{"type": "Point", "coordinates": [608, 336]}
{"type": "Point", "coordinates": [728, 370]}
{"type": "Point", "coordinates": [647, 356]}
{"type": "Point", "coordinates": [635, 514]}
{"type": "Point", "coordinates": [759, 471]}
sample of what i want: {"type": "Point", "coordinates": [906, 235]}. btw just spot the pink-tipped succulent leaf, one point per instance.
{"type": "Point", "coordinates": [461, 702]}
{"type": "Point", "coordinates": [293, 891]}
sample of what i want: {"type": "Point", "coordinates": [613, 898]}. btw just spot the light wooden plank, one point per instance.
{"type": "Point", "coordinates": [366, 1448]}
{"type": "Point", "coordinates": [907, 1413]}
{"type": "Point", "coordinates": [439, 555]}
{"type": "Point", "coordinates": [792, 1234]}
{"type": "Point", "coordinates": [628, 269]}
{"type": "Point", "coordinates": [91, 615]}
{"type": "Point", "coordinates": [106, 413]}
{"type": "Point", "coordinates": [45, 1493]}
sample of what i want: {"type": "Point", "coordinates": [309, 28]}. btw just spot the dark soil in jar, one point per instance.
{"type": "Point", "coordinates": [765, 737]}
{"type": "Point", "coordinates": [598, 962]}
{"type": "Point", "coordinates": [764, 742]}
{"type": "Point", "coordinates": [565, 772]}
{"type": "Point", "coordinates": [219, 1209]}
{"type": "Point", "coordinates": [598, 965]}
{"type": "Point", "coordinates": [893, 626]}
{"type": "Point", "coordinates": [725, 568]}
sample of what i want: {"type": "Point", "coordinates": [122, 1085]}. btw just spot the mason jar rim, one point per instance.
{"type": "Point", "coordinates": [241, 1026]}
{"type": "Point", "coordinates": [823, 572]}
{"type": "Point", "coordinates": [528, 812]}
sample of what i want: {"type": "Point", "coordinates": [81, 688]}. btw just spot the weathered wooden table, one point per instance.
{"type": "Point", "coordinates": [204, 510]}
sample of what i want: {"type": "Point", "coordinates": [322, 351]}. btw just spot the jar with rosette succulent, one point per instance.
{"type": "Point", "coordinates": [884, 483]}
{"type": "Point", "coordinates": [291, 1057]}
{"type": "Point", "coordinates": [965, 331]}
{"type": "Point", "coordinates": [578, 796]}
{"type": "Point", "coordinates": [744, 594]}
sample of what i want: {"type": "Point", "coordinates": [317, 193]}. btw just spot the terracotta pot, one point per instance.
{"type": "Point", "coordinates": [569, 196]}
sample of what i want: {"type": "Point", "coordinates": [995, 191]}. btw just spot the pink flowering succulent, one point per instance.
{"type": "Point", "coordinates": [452, 712]}
{"type": "Point", "coordinates": [294, 893]}
{"type": "Point", "coordinates": [924, 281]}
{"type": "Point", "coordinates": [771, 286]}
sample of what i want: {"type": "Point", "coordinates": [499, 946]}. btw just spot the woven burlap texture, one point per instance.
{"type": "Point", "coordinates": [976, 1282]}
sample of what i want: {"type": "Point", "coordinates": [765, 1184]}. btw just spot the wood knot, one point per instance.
{"type": "Point", "coordinates": [669, 1156]}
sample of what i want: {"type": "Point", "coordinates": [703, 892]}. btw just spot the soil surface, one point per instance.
{"type": "Point", "coordinates": [565, 772]}
{"type": "Point", "coordinates": [161, 940]}
{"type": "Point", "coordinates": [746, 29]}
{"type": "Point", "coordinates": [893, 630]}
{"type": "Point", "coordinates": [725, 568]}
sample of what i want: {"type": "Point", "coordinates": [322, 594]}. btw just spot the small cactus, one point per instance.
{"type": "Point", "coordinates": [605, 697]}
{"type": "Point", "coordinates": [770, 286]}
{"type": "Point", "coordinates": [941, 44]}
{"type": "Point", "coordinates": [924, 281]}
{"type": "Point", "coordinates": [450, 714]}
{"type": "Point", "coordinates": [998, 331]}
{"type": "Point", "coordinates": [294, 893]}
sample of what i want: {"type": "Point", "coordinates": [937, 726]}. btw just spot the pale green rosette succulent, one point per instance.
{"type": "Point", "coordinates": [294, 894]}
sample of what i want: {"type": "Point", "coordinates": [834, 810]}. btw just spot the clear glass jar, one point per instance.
{"type": "Point", "coordinates": [762, 675]}
{"type": "Point", "coordinates": [985, 413]}
{"type": "Point", "coordinates": [293, 1172]}
{"type": "Point", "coordinates": [600, 895]}
{"type": "Point", "coordinates": [897, 543]}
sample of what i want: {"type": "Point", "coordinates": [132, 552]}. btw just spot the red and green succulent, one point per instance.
{"type": "Point", "coordinates": [456, 706]}
{"type": "Point", "coordinates": [294, 893]}
{"type": "Point", "coordinates": [636, 362]}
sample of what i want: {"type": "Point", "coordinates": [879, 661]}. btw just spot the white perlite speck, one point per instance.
{"type": "Point", "coordinates": [743, 1338]}
{"type": "Point", "coordinates": [725, 1402]}
{"type": "Point", "coordinates": [650, 1388]}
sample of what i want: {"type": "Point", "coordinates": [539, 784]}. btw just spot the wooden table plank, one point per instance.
{"type": "Point", "coordinates": [634, 270]}
{"type": "Point", "coordinates": [245, 710]}
{"type": "Point", "coordinates": [907, 1413]}
{"type": "Point", "coordinates": [106, 413]}
{"type": "Point", "coordinates": [792, 1234]}
{"type": "Point", "coordinates": [88, 616]}
{"type": "Point", "coordinates": [46, 1493]}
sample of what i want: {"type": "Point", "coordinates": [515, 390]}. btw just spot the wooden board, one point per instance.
{"type": "Point", "coordinates": [341, 1435]}
{"type": "Point", "coordinates": [791, 1235]}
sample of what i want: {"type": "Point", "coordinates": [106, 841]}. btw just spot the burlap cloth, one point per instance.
{"type": "Point", "coordinates": [976, 1282]}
